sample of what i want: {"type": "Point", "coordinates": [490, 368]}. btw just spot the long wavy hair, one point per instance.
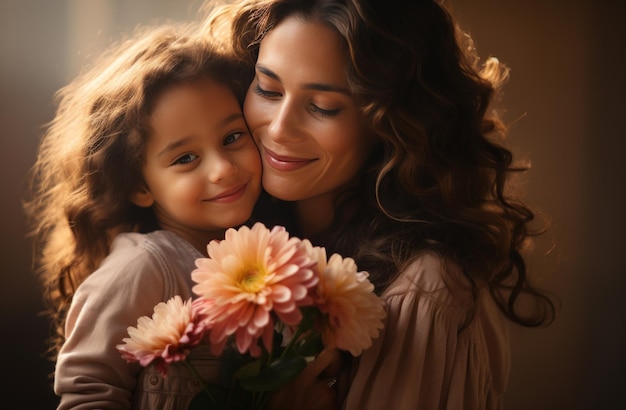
{"type": "Point", "coordinates": [441, 179]}
{"type": "Point", "coordinates": [90, 157]}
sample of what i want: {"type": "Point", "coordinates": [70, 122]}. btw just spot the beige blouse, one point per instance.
{"type": "Point", "coordinates": [432, 354]}
{"type": "Point", "coordinates": [141, 271]}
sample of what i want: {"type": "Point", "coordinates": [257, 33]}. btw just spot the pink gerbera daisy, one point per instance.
{"type": "Point", "coordinates": [175, 327]}
{"type": "Point", "coordinates": [250, 276]}
{"type": "Point", "coordinates": [352, 314]}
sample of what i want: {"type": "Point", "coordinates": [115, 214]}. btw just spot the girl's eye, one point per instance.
{"type": "Point", "coordinates": [264, 93]}
{"type": "Point", "coordinates": [323, 112]}
{"type": "Point", "coordinates": [233, 137]}
{"type": "Point", "coordinates": [185, 159]}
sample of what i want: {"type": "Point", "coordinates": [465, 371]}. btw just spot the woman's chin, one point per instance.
{"type": "Point", "coordinates": [286, 189]}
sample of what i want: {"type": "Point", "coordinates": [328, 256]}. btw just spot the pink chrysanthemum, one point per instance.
{"type": "Point", "coordinates": [251, 275]}
{"type": "Point", "coordinates": [167, 337]}
{"type": "Point", "coordinates": [352, 314]}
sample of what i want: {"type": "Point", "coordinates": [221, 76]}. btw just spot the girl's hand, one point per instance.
{"type": "Point", "coordinates": [313, 388]}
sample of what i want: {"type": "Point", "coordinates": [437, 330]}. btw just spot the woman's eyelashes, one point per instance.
{"type": "Point", "coordinates": [313, 107]}
{"type": "Point", "coordinates": [264, 93]}
{"type": "Point", "coordinates": [323, 112]}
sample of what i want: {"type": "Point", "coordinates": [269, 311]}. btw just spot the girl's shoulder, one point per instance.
{"type": "Point", "coordinates": [160, 241]}
{"type": "Point", "coordinates": [159, 258]}
{"type": "Point", "coordinates": [160, 247]}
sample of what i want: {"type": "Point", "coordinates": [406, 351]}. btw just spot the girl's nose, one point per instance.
{"type": "Point", "coordinates": [220, 167]}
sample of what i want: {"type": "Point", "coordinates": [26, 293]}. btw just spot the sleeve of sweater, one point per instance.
{"type": "Point", "coordinates": [426, 356]}
{"type": "Point", "coordinates": [90, 373]}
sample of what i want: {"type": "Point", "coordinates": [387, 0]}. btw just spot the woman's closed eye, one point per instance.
{"type": "Point", "coordinates": [265, 93]}
{"type": "Point", "coordinates": [314, 108]}
{"type": "Point", "coordinates": [324, 112]}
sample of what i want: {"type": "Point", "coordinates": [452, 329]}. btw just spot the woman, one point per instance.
{"type": "Point", "coordinates": [373, 124]}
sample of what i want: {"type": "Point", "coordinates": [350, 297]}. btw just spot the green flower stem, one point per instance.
{"type": "Point", "coordinates": [292, 342]}
{"type": "Point", "coordinates": [308, 318]}
{"type": "Point", "coordinates": [260, 400]}
{"type": "Point", "coordinates": [205, 386]}
{"type": "Point", "coordinates": [269, 355]}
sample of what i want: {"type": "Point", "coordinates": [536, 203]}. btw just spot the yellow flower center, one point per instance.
{"type": "Point", "coordinates": [252, 280]}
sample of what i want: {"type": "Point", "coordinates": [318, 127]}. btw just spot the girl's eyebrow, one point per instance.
{"type": "Point", "coordinates": [173, 145]}
{"type": "Point", "coordinates": [307, 86]}
{"type": "Point", "coordinates": [231, 118]}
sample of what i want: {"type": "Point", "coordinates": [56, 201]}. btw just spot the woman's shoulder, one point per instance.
{"type": "Point", "coordinates": [433, 276]}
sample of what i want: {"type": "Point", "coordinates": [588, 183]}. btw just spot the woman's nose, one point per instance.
{"type": "Point", "coordinates": [220, 167]}
{"type": "Point", "coordinates": [283, 126]}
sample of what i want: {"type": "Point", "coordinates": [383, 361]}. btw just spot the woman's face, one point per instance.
{"type": "Point", "coordinates": [302, 115]}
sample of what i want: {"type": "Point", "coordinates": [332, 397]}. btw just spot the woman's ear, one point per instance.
{"type": "Point", "coordinates": [142, 198]}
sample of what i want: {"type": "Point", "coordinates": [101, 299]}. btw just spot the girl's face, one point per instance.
{"type": "Point", "coordinates": [202, 169]}
{"type": "Point", "coordinates": [302, 115]}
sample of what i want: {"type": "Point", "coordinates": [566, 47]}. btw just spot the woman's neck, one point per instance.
{"type": "Point", "coordinates": [314, 215]}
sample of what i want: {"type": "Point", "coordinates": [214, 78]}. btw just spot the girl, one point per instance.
{"type": "Point", "coordinates": [147, 160]}
{"type": "Point", "coordinates": [372, 121]}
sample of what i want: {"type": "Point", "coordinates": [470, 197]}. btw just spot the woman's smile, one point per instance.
{"type": "Point", "coordinates": [283, 162]}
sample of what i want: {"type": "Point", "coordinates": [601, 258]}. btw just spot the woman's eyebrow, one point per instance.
{"type": "Point", "coordinates": [266, 71]}
{"type": "Point", "coordinates": [307, 86]}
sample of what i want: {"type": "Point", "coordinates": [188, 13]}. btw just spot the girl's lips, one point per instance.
{"type": "Point", "coordinates": [283, 163]}
{"type": "Point", "coordinates": [230, 195]}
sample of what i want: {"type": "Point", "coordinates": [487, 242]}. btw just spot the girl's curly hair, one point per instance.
{"type": "Point", "coordinates": [90, 157]}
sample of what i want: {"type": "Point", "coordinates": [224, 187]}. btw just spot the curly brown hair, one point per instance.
{"type": "Point", "coordinates": [90, 157]}
{"type": "Point", "coordinates": [441, 178]}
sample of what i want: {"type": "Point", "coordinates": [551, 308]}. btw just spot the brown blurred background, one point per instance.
{"type": "Point", "coordinates": [564, 99]}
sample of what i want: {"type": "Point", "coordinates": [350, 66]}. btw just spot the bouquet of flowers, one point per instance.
{"type": "Point", "coordinates": [267, 304]}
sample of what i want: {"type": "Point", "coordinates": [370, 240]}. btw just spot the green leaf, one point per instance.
{"type": "Point", "coordinates": [277, 341]}
{"type": "Point", "coordinates": [232, 361]}
{"type": "Point", "coordinates": [274, 376]}
{"type": "Point", "coordinates": [311, 346]}
{"type": "Point", "coordinates": [249, 370]}
{"type": "Point", "coordinates": [309, 314]}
